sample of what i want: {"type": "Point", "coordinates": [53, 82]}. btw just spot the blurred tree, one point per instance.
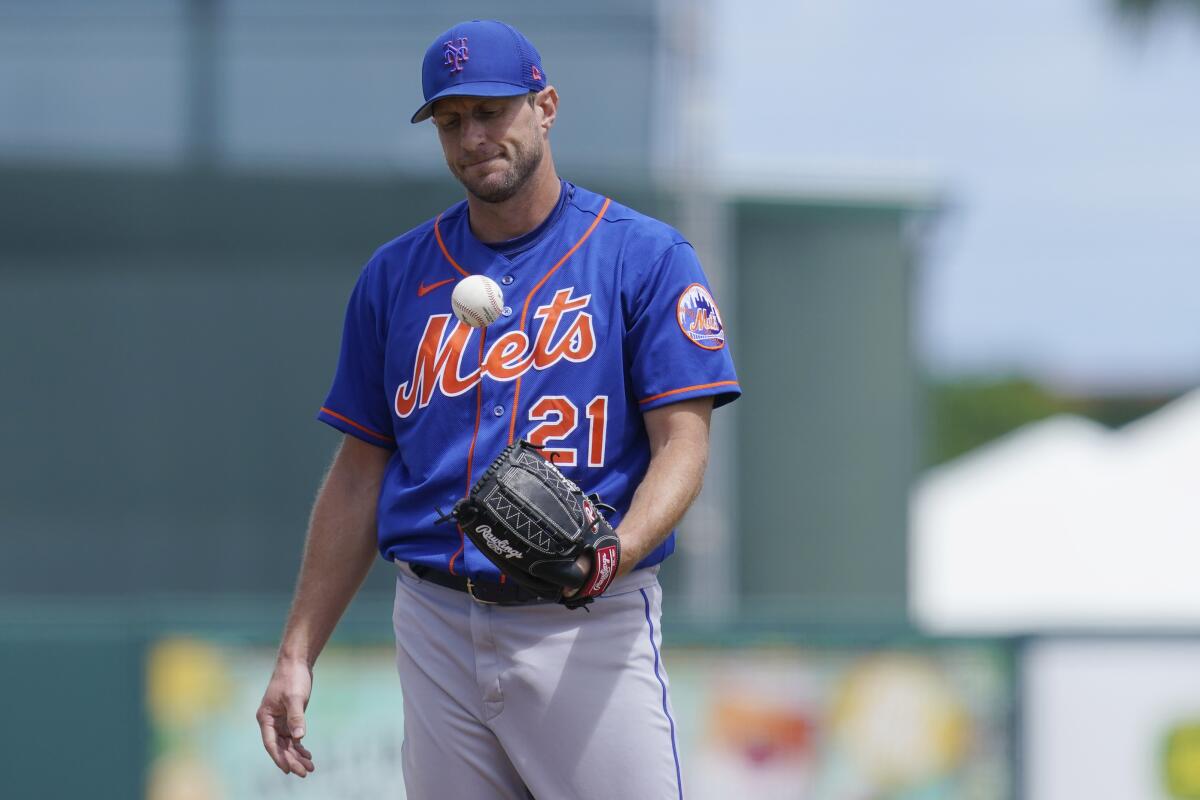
{"type": "Point", "coordinates": [1142, 11]}
{"type": "Point", "coordinates": [965, 414]}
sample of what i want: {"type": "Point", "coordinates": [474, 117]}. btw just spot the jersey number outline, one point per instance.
{"type": "Point", "coordinates": [559, 417]}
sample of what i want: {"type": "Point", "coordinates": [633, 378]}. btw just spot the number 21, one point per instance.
{"type": "Point", "coordinates": [559, 417]}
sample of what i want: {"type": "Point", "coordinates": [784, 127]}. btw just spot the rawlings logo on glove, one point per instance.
{"type": "Point", "coordinates": [533, 523]}
{"type": "Point", "coordinates": [497, 544]}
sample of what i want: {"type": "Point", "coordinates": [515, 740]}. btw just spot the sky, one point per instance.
{"type": "Point", "coordinates": [1064, 147]}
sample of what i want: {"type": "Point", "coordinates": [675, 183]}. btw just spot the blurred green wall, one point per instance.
{"type": "Point", "coordinates": [168, 339]}
{"type": "Point", "coordinates": [826, 428]}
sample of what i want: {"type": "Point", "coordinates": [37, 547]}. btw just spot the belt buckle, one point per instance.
{"type": "Point", "coordinates": [471, 592]}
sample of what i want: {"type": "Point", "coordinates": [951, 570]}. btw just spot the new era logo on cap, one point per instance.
{"type": "Point", "coordinates": [502, 63]}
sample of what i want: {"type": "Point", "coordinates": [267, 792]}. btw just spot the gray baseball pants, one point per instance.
{"type": "Point", "coordinates": [513, 702]}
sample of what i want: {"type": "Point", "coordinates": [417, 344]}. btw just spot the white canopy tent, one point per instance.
{"type": "Point", "coordinates": [1063, 524]}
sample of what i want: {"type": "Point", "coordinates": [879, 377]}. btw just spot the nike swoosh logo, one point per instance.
{"type": "Point", "coordinates": [423, 290]}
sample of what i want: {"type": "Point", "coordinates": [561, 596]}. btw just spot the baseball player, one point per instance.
{"type": "Point", "coordinates": [610, 355]}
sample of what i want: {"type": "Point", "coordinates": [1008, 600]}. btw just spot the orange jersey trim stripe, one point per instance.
{"type": "Point", "coordinates": [687, 389]}
{"type": "Point", "coordinates": [423, 290]}
{"type": "Point", "coordinates": [437, 233]}
{"type": "Point", "coordinates": [512, 424]}
{"type": "Point", "coordinates": [362, 428]}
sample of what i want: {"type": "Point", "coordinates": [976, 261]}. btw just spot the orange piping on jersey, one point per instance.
{"type": "Point", "coordinates": [362, 428]}
{"type": "Point", "coordinates": [687, 389]}
{"type": "Point", "coordinates": [423, 290]}
{"type": "Point", "coordinates": [512, 424]}
{"type": "Point", "coordinates": [462, 541]}
{"type": "Point", "coordinates": [437, 232]}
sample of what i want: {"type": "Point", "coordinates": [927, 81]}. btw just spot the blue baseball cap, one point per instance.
{"type": "Point", "coordinates": [480, 58]}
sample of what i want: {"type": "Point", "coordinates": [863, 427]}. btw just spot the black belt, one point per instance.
{"type": "Point", "coordinates": [509, 593]}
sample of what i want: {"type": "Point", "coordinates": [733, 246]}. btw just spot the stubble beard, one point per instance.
{"type": "Point", "coordinates": [525, 162]}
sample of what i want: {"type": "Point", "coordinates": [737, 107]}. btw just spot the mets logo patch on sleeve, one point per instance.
{"type": "Point", "coordinates": [699, 318]}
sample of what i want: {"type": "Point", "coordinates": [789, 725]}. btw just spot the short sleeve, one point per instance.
{"type": "Point", "coordinates": [357, 404]}
{"type": "Point", "coordinates": [676, 340]}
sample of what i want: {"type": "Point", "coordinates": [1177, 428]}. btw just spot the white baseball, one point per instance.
{"type": "Point", "coordinates": [477, 301]}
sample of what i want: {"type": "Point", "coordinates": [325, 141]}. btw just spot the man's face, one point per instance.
{"type": "Point", "coordinates": [492, 144]}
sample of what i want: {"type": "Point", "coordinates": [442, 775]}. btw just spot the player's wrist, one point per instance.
{"type": "Point", "coordinates": [294, 658]}
{"type": "Point", "coordinates": [632, 549]}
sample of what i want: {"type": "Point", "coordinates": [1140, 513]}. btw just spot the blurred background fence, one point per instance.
{"type": "Point", "coordinates": [187, 192]}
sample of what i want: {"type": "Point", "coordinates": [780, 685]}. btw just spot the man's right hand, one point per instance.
{"type": "Point", "coordinates": [341, 546]}
{"type": "Point", "coordinates": [281, 716]}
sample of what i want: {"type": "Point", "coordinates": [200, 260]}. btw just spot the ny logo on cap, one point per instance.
{"type": "Point", "coordinates": [456, 54]}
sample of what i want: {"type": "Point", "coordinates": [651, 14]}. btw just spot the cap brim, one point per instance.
{"type": "Point", "coordinates": [478, 89]}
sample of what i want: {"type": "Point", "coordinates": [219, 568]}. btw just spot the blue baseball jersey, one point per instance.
{"type": "Point", "coordinates": [607, 315]}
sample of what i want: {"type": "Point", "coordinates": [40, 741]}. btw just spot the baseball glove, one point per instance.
{"type": "Point", "coordinates": [534, 523]}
